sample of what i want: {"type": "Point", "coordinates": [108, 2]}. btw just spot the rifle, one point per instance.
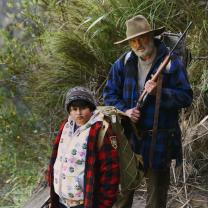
{"type": "Point", "coordinates": [144, 94]}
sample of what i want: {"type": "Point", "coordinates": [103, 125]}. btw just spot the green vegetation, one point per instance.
{"type": "Point", "coordinates": [66, 43]}
{"type": "Point", "coordinates": [23, 153]}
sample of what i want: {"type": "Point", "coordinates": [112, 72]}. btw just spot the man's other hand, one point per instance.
{"type": "Point", "coordinates": [133, 114]}
{"type": "Point", "coordinates": [151, 87]}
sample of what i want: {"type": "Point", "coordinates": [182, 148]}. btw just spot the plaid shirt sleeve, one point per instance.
{"type": "Point", "coordinates": [113, 90]}
{"type": "Point", "coordinates": [108, 173]}
{"type": "Point", "coordinates": [176, 92]}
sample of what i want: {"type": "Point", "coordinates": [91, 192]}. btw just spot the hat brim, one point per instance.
{"type": "Point", "coordinates": [155, 32]}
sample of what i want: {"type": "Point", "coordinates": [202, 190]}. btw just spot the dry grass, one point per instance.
{"type": "Point", "coordinates": [190, 188]}
{"type": "Point", "coordinates": [189, 183]}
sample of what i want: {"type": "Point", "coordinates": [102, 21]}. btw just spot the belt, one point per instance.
{"type": "Point", "coordinates": [149, 132]}
{"type": "Point", "coordinates": [73, 203]}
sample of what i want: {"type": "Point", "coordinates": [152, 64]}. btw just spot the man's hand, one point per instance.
{"type": "Point", "coordinates": [151, 87]}
{"type": "Point", "coordinates": [133, 114]}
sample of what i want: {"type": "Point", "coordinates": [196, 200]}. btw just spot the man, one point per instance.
{"type": "Point", "coordinates": [84, 168]}
{"type": "Point", "coordinates": [128, 77]}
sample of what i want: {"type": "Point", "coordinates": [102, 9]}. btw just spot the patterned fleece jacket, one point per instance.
{"type": "Point", "coordinates": [101, 170]}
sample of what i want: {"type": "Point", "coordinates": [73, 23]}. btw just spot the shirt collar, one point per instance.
{"type": "Point", "coordinates": [97, 116]}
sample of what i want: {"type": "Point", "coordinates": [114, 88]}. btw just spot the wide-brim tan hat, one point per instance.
{"type": "Point", "coordinates": [138, 26]}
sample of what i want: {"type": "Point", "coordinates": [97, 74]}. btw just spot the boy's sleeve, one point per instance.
{"type": "Point", "coordinates": [54, 154]}
{"type": "Point", "coordinates": [108, 172]}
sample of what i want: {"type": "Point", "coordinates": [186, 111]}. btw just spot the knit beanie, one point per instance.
{"type": "Point", "coordinates": [79, 93]}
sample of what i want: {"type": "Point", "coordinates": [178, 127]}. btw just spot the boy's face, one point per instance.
{"type": "Point", "coordinates": [80, 115]}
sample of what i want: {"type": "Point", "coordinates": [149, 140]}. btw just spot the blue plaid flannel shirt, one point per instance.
{"type": "Point", "coordinates": [121, 91]}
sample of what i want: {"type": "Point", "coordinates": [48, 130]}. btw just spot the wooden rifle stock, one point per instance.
{"type": "Point", "coordinates": [154, 78]}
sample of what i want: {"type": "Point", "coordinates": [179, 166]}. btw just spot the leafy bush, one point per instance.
{"type": "Point", "coordinates": [23, 152]}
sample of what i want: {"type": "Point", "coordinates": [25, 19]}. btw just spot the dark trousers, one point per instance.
{"type": "Point", "coordinates": [157, 188]}
{"type": "Point", "coordinates": [124, 200]}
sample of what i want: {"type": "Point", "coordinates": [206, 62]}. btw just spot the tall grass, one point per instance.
{"type": "Point", "coordinates": [78, 45]}
{"type": "Point", "coordinates": [73, 45]}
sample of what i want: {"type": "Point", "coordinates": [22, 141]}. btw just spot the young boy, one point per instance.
{"type": "Point", "coordinates": [81, 173]}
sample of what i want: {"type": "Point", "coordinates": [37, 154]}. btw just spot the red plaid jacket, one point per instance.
{"type": "Point", "coordinates": [101, 170]}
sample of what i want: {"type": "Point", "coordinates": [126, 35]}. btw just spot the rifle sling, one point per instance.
{"type": "Point", "coordinates": [156, 118]}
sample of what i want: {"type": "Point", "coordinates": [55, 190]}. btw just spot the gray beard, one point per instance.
{"type": "Point", "coordinates": [149, 49]}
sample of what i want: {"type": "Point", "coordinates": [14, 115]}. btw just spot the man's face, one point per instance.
{"type": "Point", "coordinates": [143, 46]}
{"type": "Point", "coordinates": [80, 115]}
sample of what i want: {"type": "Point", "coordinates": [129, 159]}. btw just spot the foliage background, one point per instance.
{"type": "Point", "coordinates": [52, 45]}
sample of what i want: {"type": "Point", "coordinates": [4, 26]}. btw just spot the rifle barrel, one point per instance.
{"type": "Point", "coordinates": [182, 36]}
